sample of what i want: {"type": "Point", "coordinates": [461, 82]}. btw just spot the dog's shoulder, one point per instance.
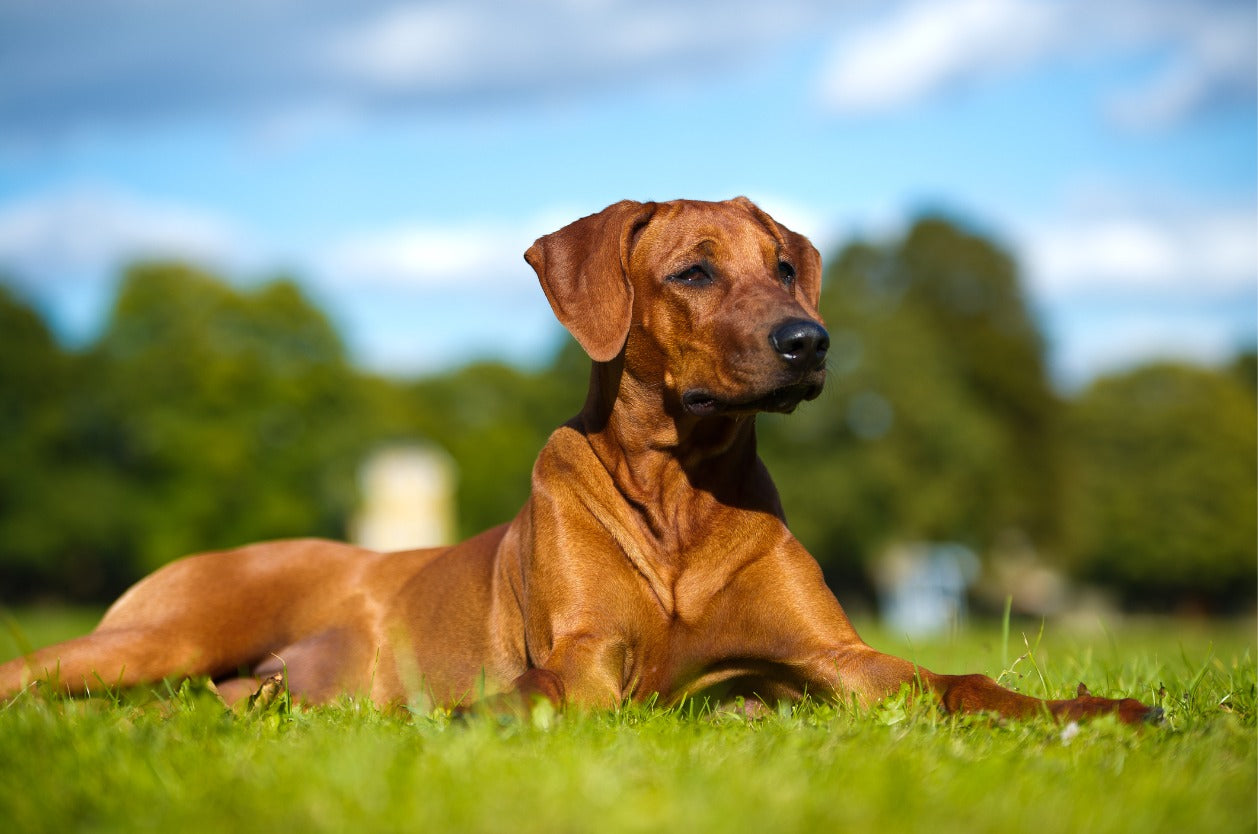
{"type": "Point", "coordinates": [567, 454]}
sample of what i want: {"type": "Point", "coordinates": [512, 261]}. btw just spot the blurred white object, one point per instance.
{"type": "Point", "coordinates": [408, 499]}
{"type": "Point", "coordinates": [922, 586]}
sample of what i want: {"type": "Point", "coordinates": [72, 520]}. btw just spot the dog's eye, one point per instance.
{"type": "Point", "coordinates": [693, 276]}
{"type": "Point", "coordinates": [787, 273]}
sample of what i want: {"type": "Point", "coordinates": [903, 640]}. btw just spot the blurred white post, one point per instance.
{"type": "Point", "coordinates": [407, 499]}
{"type": "Point", "coordinates": [922, 586]}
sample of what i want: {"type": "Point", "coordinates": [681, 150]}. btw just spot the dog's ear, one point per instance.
{"type": "Point", "coordinates": [584, 270]}
{"type": "Point", "coordinates": [803, 256]}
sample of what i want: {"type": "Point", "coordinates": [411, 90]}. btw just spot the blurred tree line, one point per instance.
{"type": "Point", "coordinates": [206, 416]}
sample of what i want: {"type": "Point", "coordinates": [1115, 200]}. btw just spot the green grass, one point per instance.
{"type": "Point", "coordinates": [183, 763]}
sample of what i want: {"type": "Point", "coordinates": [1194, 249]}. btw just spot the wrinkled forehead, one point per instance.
{"type": "Point", "coordinates": [685, 232]}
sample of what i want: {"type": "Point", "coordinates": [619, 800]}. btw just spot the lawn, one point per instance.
{"type": "Point", "coordinates": [181, 763]}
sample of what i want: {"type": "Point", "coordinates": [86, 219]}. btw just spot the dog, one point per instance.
{"type": "Point", "coordinates": [651, 559]}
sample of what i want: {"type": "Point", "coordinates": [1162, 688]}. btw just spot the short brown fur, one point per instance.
{"type": "Point", "coordinates": [651, 558]}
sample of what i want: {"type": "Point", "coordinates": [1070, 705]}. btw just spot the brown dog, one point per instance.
{"type": "Point", "coordinates": [652, 556]}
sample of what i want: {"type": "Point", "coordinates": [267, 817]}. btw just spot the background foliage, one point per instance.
{"type": "Point", "coordinates": [208, 415]}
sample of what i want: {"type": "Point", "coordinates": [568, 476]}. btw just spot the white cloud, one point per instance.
{"type": "Point", "coordinates": [923, 47]}
{"type": "Point", "coordinates": [166, 61]}
{"type": "Point", "coordinates": [410, 46]}
{"type": "Point", "coordinates": [487, 254]}
{"type": "Point", "coordinates": [1087, 348]}
{"type": "Point", "coordinates": [1201, 253]}
{"type": "Point", "coordinates": [489, 46]}
{"type": "Point", "coordinates": [1203, 51]}
{"type": "Point", "coordinates": [472, 255]}
{"type": "Point", "coordinates": [91, 230]}
{"type": "Point", "coordinates": [1216, 60]}
{"type": "Point", "coordinates": [1121, 278]}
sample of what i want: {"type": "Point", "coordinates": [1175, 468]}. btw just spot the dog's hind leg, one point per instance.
{"type": "Point", "coordinates": [105, 659]}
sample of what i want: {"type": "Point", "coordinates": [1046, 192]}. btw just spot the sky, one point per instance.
{"type": "Point", "coordinates": [398, 158]}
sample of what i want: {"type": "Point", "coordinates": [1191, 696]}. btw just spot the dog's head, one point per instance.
{"type": "Point", "coordinates": [716, 303]}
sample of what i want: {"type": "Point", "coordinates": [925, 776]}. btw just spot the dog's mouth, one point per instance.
{"type": "Point", "coordinates": [703, 403]}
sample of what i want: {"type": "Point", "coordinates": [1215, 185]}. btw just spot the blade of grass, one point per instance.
{"type": "Point", "coordinates": [1004, 633]}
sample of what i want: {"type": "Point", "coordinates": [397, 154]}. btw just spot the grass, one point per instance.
{"type": "Point", "coordinates": [182, 763]}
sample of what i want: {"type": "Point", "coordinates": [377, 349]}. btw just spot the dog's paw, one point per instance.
{"type": "Point", "coordinates": [1085, 705]}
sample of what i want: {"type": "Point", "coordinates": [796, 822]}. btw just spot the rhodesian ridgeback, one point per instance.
{"type": "Point", "coordinates": [652, 557]}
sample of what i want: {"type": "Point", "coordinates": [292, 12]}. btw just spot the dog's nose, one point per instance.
{"type": "Point", "coordinates": [801, 343]}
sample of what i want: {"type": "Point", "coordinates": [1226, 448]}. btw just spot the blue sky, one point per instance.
{"type": "Point", "coordinates": [399, 157]}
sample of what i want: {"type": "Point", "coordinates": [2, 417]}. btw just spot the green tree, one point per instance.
{"type": "Point", "coordinates": [233, 414]}
{"type": "Point", "coordinates": [208, 416]}
{"type": "Point", "coordinates": [60, 521]}
{"type": "Point", "coordinates": [938, 420]}
{"type": "Point", "coordinates": [1163, 488]}
{"type": "Point", "coordinates": [971, 292]}
{"type": "Point", "coordinates": [1245, 369]}
{"type": "Point", "coordinates": [33, 378]}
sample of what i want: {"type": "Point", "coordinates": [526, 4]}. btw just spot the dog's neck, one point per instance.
{"type": "Point", "coordinates": [660, 456]}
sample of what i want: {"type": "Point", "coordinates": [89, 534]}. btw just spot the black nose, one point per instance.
{"type": "Point", "coordinates": [802, 343]}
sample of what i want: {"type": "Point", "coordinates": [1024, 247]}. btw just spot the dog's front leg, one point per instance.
{"type": "Point", "coordinates": [979, 693]}
{"type": "Point", "coordinates": [810, 634]}
{"type": "Point", "coordinates": [869, 675]}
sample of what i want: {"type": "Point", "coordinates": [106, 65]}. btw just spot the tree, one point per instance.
{"type": "Point", "coordinates": [1163, 486]}
{"type": "Point", "coordinates": [233, 414]}
{"type": "Point", "coordinates": [938, 420]}
{"type": "Point", "coordinates": [208, 416]}
{"type": "Point", "coordinates": [34, 374]}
